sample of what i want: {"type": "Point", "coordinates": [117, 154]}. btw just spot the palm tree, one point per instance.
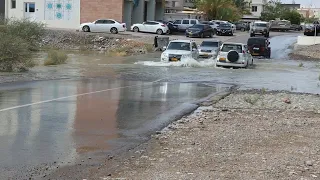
{"type": "Point", "coordinates": [218, 9]}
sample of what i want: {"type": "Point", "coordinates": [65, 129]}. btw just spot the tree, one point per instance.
{"type": "Point", "coordinates": [219, 9]}
{"type": "Point", "coordinates": [292, 15]}
{"type": "Point", "coordinates": [242, 5]}
{"type": "Point", "coordinates": [274, 9]}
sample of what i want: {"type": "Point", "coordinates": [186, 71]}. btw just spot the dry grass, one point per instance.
{"type": "Point", "coordinates": [55, 58]}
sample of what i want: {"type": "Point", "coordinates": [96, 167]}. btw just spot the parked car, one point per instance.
{"type": "Point", "coordinates": [104, 25]}
{"type": "Point", "coordinates": [241, 26]}
{"type": "Point", "coordinates": [151, 27]}
{"type": "Point", "coordinates": [215, 25]}
{"type": "Point", "coordinates": [178, 50]}
{"type": "Point", "coordinates": [259, 46]}
{"type": "Point", "coordinates": [172, 27]}
{"type": "Point", "coordinates": [234, 55]}
{"type": "Point", "coordinates": [296, 27]}
{"type": "Point", "coordinates": [185, 23]}
{"type": "Point", "coordinates": [233, 26]}
{"type": "Point", "coordinates": [200, 30]}
{"type": "Point", "coordinates": [310, 30]}
{"type": "Point", "coordinates": [224, 29]}
{"type": "Point", "coordinates": [280, 25]}
{"type": "Point", "coordinates": [259, 27]}
{"type": "Point", "coordinates": [209, 48]}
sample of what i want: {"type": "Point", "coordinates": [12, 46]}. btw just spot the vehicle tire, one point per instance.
{"type": "Point", "coordinates": [86, 29]}
{"type": "Point", "coordinates": [231, 34]}
{"type": "Point", "coordinates": [252, 35]}
{"type": "Point", "coordinates": [214, 31]}
{"type": "Point", "coordinates": [114, 30]}
{"type": "Point", "coordinates": [251, 62]}
{"type": "Point", "coordinates": [233, 56]}
{"type": "Point", "coordinates": [246, 67]}
{"type": "Point", "coordinates": [269, 54]}
{"type": "Point", "coordinates": [135, 29]}
{"type": "Point", "coordinates": [159, 31]}
{"type": "Point", "coordinates": [211, 34]}
{"type": "Point", "coordinates": [242, 29]}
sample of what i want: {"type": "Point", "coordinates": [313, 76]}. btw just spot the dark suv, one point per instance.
{"type": "Point", "coordinates": [310, 30]}
{"type": "Point", "coordinates": [259, 46]}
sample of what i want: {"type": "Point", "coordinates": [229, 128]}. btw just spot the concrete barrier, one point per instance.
{"type": "Point", "coordinates": [308, 40]}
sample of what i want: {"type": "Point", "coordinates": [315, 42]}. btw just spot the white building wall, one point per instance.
{"type": "Point", "coordinates": [50, 15]}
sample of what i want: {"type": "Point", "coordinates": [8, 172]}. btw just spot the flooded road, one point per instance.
{"type": "Point", "coordinates": [122, 101]}
{"type": "Point", "coordinates": [56, 121]}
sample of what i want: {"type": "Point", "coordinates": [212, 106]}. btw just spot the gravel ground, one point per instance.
{"type": "Point", "coordinates": [306, 52]}
{"type": "Point", "coordinates": [247, 135]}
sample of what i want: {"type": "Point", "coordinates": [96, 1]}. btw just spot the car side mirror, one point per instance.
{"type": "Point", "coordinates": [164, 48]}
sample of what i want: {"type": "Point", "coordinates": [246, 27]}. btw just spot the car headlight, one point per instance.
{"type": "Point", "coordinates": [165, 55]}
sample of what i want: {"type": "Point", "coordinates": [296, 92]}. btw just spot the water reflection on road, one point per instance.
{"type": "Point", "coordinates": [38, 125]}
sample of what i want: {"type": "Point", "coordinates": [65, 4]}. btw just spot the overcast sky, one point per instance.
{"type": "Point", "coordinates": [305, 3]}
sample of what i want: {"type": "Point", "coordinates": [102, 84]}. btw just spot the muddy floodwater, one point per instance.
{"type": "Point", "coordinates": [102, 103]}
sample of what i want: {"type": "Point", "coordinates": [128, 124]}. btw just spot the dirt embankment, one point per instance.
{"type": "Point", "coordinates": [306, 53]}
{"type": "Point", "coordinates": [114, 43]}
{"type": "Point", "coordinates": [247, 135]}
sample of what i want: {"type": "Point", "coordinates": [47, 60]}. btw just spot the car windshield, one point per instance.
{"type": "Point", "coordinates": [225, 25]}
{"type": "Point", "coordinates": [258, 41]}
{"type": "Point", "coordinates": [197, 26]}
{"type": "Point", "coordinates": [179, 46]}
{"type": "Point", "coordinates": [260, 24]}
{"type": "Point", "coordinates": [229, 47]}
{"type": "Point", "coordinates": [209, 44]}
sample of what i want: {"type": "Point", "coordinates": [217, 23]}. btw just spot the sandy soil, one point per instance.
{"type": "Point", "coordinates": [247, 135]}
{"type": "Point", "coordinates": [306, 53]}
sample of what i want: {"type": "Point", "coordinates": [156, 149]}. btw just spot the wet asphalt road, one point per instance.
{"type": "Point", "coordinates": [55, 121]}
{"type": "Point", "coordinates": [48, 122]}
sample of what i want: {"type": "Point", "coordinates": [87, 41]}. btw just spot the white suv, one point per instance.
{"type": "Point", "coordinates": [180, 49]}
{"type": "Point", "coordinates": [234, 55]}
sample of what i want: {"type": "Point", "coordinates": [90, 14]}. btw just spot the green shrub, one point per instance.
{"type": "Point", "coordinates": [55, 58]}
{"type": "Point", "coordinates": [14, 53]}
{"type": "Point", "coordinates": [18, 40]}
{"type": "Point", "coordinates": [30, 31]}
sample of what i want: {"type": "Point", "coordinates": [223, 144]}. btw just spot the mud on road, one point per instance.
{"type": "Point", "coordinates": [247, 135]}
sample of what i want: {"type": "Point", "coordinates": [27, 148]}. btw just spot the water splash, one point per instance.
{"type": "Point", "coordinates": [188, 62]}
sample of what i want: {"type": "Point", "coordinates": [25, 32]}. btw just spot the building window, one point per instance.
{"type": "Point", "coordinates": [13, 4]}
{"type": "Point", "coordinates": [173, 4]}
{"type": "Point", "coordinates": [254, 9]}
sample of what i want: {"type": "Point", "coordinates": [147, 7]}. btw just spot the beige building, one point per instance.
{"type": "Point", "coordinates": [309, 12]}
{"type": "Point", "coordinates": [173, 6]}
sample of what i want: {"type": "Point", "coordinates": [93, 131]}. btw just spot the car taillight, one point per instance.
{"type": "Point", "coordinates": [163, 25]}
{"type": "Point", "coordinates": [262, 48]}
{"type": "Point", "coordinates": [243, 51]}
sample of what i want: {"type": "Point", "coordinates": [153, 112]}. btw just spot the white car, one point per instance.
{"type": "Point", "coordinates": [209, 48]}
{"type": "Point", "coordinates": [234, 55]}
{"type": "Point", "coordinates": [178, 50]}
{"type": "Point", "coordinates": [151, 27]}
{"type": "Point", "coordinates": [104, 25]}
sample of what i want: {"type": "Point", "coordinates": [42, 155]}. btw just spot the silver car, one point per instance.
{"type": "Point", "coordinates": [209, 48]}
